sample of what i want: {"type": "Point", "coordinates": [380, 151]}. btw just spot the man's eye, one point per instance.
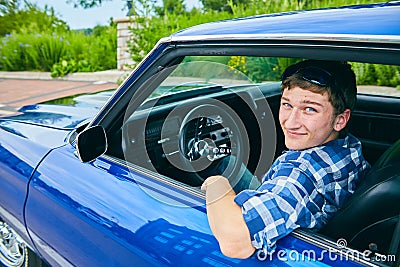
{"type": "Point", "coordinates": [310, 109]}
{"type": "Point", "coordinates": [286, 105]}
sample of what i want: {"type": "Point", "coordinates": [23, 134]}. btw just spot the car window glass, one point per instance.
{"type": "Point", "coordinates": [377, 79]}
{"type": "Point", "coordinates": [152, 136]}
{"type": "Point", "coordinates": [220, 93]}
{"type": "Point", "coordinates": [206, 71]}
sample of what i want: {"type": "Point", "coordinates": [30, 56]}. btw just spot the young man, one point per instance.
{"type": "Point", "coordinates": [308, 183]}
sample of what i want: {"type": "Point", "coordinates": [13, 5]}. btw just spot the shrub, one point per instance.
{"type": "Point", "coordinates": [147, 31]}
{"type": "Point", "coordinates": [32, 51]}
{"type": "Point", "coordinates": [377, 74]}
{"type": "Point", "coordinates": [35, 39]}
{"type": "Point", "coordinates": [13, 19]}
{"type": "Point", "coordinates": [28, 50]}
{"type": "Point", "coordinates": [13, 54]}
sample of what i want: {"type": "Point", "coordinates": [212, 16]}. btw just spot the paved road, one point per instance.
{"type": "Point", "coordinates": [18, 89]}
{"type": "Point", "coordinates": [23, 88]}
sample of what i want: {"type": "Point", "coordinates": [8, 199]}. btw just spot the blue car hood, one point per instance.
{"type": "Point", "coordinates": [63, 113]}
{"type": "Point", "coordinates": [49, 123]}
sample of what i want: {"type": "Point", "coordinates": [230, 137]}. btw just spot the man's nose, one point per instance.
{"type": "Point", "coordinates": [293, 120]}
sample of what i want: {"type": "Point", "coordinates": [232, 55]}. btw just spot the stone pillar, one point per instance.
{"type": "Point", "coordinates": [124, 35]}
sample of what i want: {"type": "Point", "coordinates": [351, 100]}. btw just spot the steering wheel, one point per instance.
{"type": "Point", "coordinates": [209, 133]}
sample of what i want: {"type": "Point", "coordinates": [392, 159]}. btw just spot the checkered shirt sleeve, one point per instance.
{"type": "Point", "coordinates": [302, 189]}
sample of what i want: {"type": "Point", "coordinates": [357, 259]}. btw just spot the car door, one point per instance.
{"type": "Point", "coordinates": [104, 214]}
{"type": "Point", "coordinates": [133, 207]}
{"type": "Point", "coordinates": [115, 212]}
{"type": "Point", "coordinates": [101, 214]}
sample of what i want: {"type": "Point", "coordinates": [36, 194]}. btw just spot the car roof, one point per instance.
{"type": "Point", "coordinates": [378, 20]}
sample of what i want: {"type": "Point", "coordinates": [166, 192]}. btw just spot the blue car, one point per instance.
{"type": "Point", "coordinates": [114, 178]}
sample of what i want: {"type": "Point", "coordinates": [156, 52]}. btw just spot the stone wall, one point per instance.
{"type": "Point", "coordinates": [123, 36]}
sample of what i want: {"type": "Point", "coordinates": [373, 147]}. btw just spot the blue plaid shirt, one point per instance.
{"type": "Point", "coordinates": [302, 189]}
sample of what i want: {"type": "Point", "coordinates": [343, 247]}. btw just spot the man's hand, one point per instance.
{"type": "Point", "coordinates": [226, 219]}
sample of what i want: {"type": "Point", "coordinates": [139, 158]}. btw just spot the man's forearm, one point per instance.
{"type": "Point", "coordinates": [226, 219]}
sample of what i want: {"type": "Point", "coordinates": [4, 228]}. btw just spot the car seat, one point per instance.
{"type": "Point", "coordinates": [371, 217]}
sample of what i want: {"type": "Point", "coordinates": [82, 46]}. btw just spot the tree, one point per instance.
{"type": "Point", "coordinates": [171, 7]}
{"type": "Point", "coordinates": [221, 5]}
{"type": "Point", "coordinates": [86, 3]}
{"type": "Point", "coordinates": [14, 18]}
{"type": "Point", "coordinates": [8, 6]}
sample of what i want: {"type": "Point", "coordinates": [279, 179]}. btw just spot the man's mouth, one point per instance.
{"type": "Point", "coordinates": [295, 134]}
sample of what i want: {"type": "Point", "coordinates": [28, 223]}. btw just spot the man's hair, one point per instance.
{"type": "Point", "coordinates": [319, 76]}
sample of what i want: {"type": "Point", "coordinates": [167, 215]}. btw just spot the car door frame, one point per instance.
{"type": "Point", "coordinates": [167, 53]}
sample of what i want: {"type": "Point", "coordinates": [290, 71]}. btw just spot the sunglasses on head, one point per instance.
{"type": "Point", "coordinates": [314, 75]}
{"type": "Point", "coordinates": [310, 74]}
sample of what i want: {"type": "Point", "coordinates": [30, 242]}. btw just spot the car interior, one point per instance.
{"type": "Point", "coordinates": [187, 125]}
{"type": "Point", "coordinates": [371, 217]}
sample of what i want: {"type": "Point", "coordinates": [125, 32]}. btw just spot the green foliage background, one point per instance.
{"type": "Point", "coordinates": [35, 39]}
{"type": "Point", "coordinates": [148, 30]}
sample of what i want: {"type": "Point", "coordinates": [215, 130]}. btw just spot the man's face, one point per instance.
{"type": "Point", "coordinates": [307, 119]}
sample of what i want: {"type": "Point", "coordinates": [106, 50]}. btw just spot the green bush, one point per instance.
{"type": "Point", "coordinates": [47, 49]}
{"type": "Point", "coordinates": [31, 51]}
{"type": "Point", "coordinates": [377, 74]}
{"type": "Point", "coordinates": [102, 51]}
{"type": "Point", "coordinates": [35, 39]}
{"type": "Point", "coordinates": [147, 31]}
{"type": "Point", "coordinates": [14, 18]}
{"type": "Point", "coordinates": [28, 50]}
{"type": "Point", "coordinates": [13, 54]}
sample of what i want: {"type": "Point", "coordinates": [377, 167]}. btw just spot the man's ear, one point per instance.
{"type": "Point", "coordinates": [341, 120]}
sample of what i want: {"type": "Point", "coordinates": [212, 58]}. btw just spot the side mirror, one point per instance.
{"type": "Point", "coordinates": [91, 143]}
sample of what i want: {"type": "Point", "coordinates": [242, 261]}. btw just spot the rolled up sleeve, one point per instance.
{"type": "Point", "coordinates": [279, 206]}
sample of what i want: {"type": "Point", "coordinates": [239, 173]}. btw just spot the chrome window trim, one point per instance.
{"type": "Point", "coordinates": [361, 38]}
{"type": "Point", "coordinates": [299, 45]}
{"type": "Point", "coordinates": [158, 177]}
{"type": "Point", "coordinates": [327, 244]}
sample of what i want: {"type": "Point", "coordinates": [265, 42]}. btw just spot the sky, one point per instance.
{"type": "Point", "coordinates": [79, 18]}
